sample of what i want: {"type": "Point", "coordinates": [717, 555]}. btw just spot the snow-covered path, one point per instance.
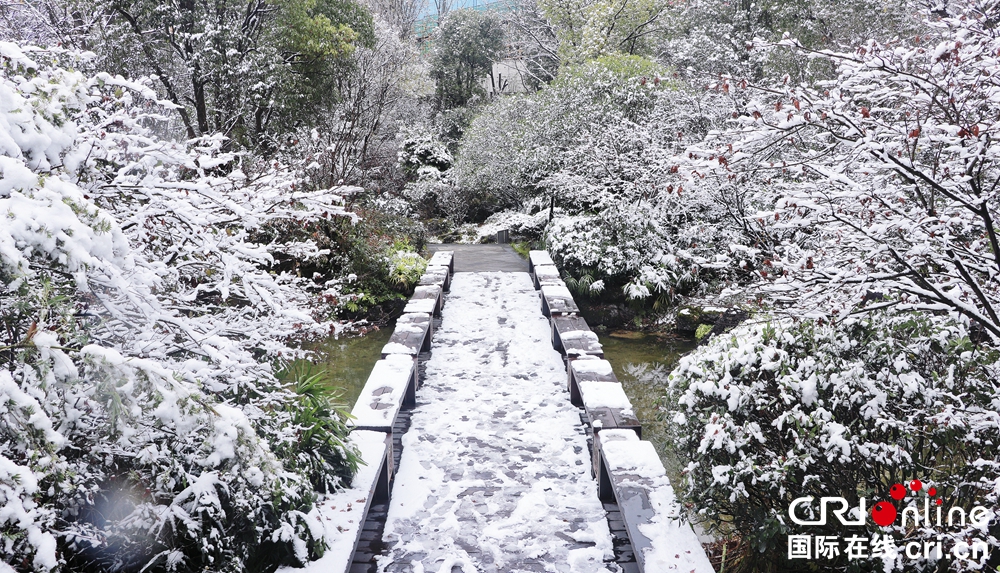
{"type": "Point", "coordinates": [495, 470]}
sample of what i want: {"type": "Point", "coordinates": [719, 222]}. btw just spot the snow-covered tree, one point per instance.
{"type": "Point", "coordinates": [145, 296]}
{"type": "Point", "coordinates": [589, 29]}
{"type": "Point", "coordinates": [709, 38]}
{"type": "Point", "coordinates": [534, 39]}
{"type": "Point", "coordinates": [466, 45]}
{"type": "Point", "coordinates": [248, 69]}
{"type": "Point", "coordinates": [356, 139]}
{"type": "Point", "coordinates": [878, 188]}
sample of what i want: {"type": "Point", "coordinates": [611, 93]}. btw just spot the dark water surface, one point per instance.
{"type": "Point", "coordinates": [348, 361]}
{"type": "Point", "coordinates": [642, 365]}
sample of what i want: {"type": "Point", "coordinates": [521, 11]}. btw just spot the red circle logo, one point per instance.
{"type": "Point", "coordinates": [883, 513]}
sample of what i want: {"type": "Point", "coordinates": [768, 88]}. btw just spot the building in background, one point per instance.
{"type": "Point", "coordinates": [508, 75]}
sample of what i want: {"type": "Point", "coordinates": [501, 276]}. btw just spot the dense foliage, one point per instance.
{"type": "Point", "coordinates": [708, 39]}
{"type": "Point", "coordinates": [884, 179]}
{"type": "Point", "coordinates": [599, 148]}
{"type": "Point", "coordinates": [247, 70]}
{"type": "Point", "coordinates": [191, 190]}
{"type": "Point", "coordinates": [465, 48]}
{"type": "Point", "coordinates": [144, 296]}
{"type": "Point", "coordinates": [779, 409]}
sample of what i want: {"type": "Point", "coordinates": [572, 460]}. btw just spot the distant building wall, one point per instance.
{"type": "Point", "coordinates": [508, 78]}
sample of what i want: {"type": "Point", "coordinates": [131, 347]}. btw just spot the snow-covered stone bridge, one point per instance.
{"type": "Point", "coordinates": [499, 471]}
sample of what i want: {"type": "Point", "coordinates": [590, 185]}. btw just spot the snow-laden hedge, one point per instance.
{"type": "Point", "coordinates": [778, 409]}
{"type": "Point", "coordinates": [141, 426]}
{"type": "Point", "coordinates": [603, 144]}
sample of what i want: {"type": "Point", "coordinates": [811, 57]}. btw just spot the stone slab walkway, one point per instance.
{"type": "Point", "coordinates": [495, 473]}
{"type": "Point", "coordinates": [479, 258]}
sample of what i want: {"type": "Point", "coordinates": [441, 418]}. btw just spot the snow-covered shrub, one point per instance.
{"type": "Point", "coordinates": [523, 226]}
{"type": "Point", "coordinates": [780, 409]}
{"type": "Point", "coordinates": [516, 142]}
{"type": "Point", "coordinates": [422, 149]}
{"type": "Point", "coordinates": [630, 219]}
{"type": "Point", "coordinates": [362, 250]}
{"type": "Point", "coordinates": [604, 143]}
{"type": "Point", "coordinates": [318, 452]}
{"type": "Point", "coordinates": [632, 258]}
{"type": "Point", "coordinates": [141, 425]}
{"type": "Point", "coordinates": [432, 194]}
{"type": "Point", "coordinates": [427, 161]}
{"type": "Point", "coordinates": [25, 526]}
{"type": "Point", "coordinates": [641, 249]}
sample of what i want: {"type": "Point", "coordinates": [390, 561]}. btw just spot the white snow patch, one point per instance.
{"type": "Point", "coordinates": [495, 458]}
{"type": "Point", "coordinates": [604, 395]}
{"type": "Point", "coordinates": [540, 258]}
{"type": "Point", "coordinates": [594, 366]}
{"type": "Point", "coordinates": [379, 401]}
{"type": "Point", "coordinates": [421, 305]}
{"type": "Point", "coordinates": [674, 544]}
{"type": "Point", "coordinates": [396, 348]}
{"type": "Point", "coordinates": [342, 513]}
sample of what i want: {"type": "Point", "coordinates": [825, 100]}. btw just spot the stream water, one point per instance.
{"type": "Point", "coordinates": [642, 365]}
{"type": "Point", "coordinates": [348, 361]}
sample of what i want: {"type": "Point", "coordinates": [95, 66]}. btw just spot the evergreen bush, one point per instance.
{"type": "Point", "coordinates": [778, 409]}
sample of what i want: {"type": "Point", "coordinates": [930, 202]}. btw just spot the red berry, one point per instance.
{"type": "Point", "coordinates": [897, 491]}
{"type": "Point", "coordinates": [915, 485]}
{"type": "Point", "coordinates": [932, 491]}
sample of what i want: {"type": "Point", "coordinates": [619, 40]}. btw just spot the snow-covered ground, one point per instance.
{"type": "Point", "coordinates": [495, 473]}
